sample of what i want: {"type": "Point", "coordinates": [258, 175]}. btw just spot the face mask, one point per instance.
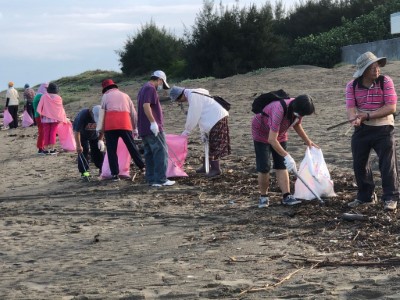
{"type": "Point", "coordinates": [159, 87]}
{"type": "Point", "coordinates": [296, 115]}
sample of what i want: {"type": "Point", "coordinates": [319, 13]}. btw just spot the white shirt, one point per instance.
{"type": "Point", "coordinates": [12, 94]}
{"type": "Point", "coordinates": [203, 110]}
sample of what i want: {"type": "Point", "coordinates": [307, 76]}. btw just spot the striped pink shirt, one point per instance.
{"type": "Point", "coordinates": [372, 98]}
{"type": "Point", "coordinates": [275, 121]}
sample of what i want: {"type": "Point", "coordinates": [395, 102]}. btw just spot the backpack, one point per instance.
{"type": "Point", "coordinates": [221, 101]}
{"type": "Point", "coordinates": [264, 99]}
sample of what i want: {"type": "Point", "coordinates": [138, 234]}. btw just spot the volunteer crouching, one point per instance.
{"type": "Point", "coordinates": [212, 119]}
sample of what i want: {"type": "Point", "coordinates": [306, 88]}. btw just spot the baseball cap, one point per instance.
{"type": "Point", "coordinates": [160, 74]}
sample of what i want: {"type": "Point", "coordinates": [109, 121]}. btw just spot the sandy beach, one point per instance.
{"type": "Point", "coordinates": [63, 238]}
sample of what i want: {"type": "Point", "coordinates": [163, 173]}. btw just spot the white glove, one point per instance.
{"type": "Point", "coordinates": [154, 128]}
{"type": "Point", "coordinates": [185, 133]}
{"type": "Point", "coordinates": [204, 137]}
{"type": "Point", "coordinates": [135, 133]}
{"type": "Point", "coordinates": [101, 146]}
{"type": "Point", "coordinates": [290, 163]}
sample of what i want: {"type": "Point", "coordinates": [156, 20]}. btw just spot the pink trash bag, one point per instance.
{"type": "Point", "coordinates": [7, 119]}
{"type": "Point", "coordinates": [66, 136]}
{"type": "Point", "coordinates": [26, 119]}
{"type": "Point", "coordinates": [177, 152]}
{"type": "Point", "coordinates": [124, 162]}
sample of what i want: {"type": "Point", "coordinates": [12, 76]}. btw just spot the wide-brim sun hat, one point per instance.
{"type": "Point", "coordinates": [96, 112]}
{"type": "Point", "coordinates": [365, 60]}
{"type": "Point", "coordinates": [160, 74]}
{"type": "Point", "coordinates": [107, 84]}
{"type": "Point", "coordinates": [176, 92]}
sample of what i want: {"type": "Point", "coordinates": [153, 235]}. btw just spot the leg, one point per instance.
{"type": "Point", "coordinates": [385, 147]}
{"type": "Point", "coordinates": [160, 155]}
{"type": "Point", "coordinates": [46, 136]}
{"type": "Point", "coordinates": [148, 158]}
{"type": "Point", "coordinates": [52, 136]}
{"type": "Point", "coordinates": [96, 155]}
{"type": "Point", "coordinates": [361, 148]}
{"type": "Point", "coordinates": [263, 183]}
{"type": "Point", "coordinates": [112, 137]}
{"type": "Point", "coordinates": [282, 177]}
{"type": "Point", "coordinates": [133, 151]}
{"type": "Point", "coordinates": [39, 142]}
{"type": "Point", "coordinates": [13, 110]}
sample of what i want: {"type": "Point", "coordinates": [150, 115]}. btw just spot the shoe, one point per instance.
{"type": "Point", "coordinates": [290, 200]}
{"type": "Point", "coordinates": [115, 178]}
{"type": "Point", "coordinates": [168, 183]}
{"type": "Point", "coordinates": [357, 202]}
{"type": "Point", "coordinates": [215, 169]}
{"type": "Point", "coordinates": [45, 152]}
{"type": "Point", "coordinates": [41, 152]}
{"type": "Point", "coordinates": [390, 205]}
{"type": "Point", "coordinates": [263, 202]}
{"type": "Point", "coordinates": [53, 152]}
{"type": "Point", "coordinates": [156, 185]}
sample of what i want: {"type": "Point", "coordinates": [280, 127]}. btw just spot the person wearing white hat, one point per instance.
{"type": "Point", "coordinates": [371, 101]}
{"type": "Point", "coordinates": [212, 120]}
{"type": "Point", "coordinates": [151, 130]}
{"type": "Point", "coordinates": [87, 140]}
{"type": "Point", "coordinates": [12, 102]}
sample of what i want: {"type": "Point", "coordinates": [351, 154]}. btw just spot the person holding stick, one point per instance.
{"type": "Point", "coordinates": [269, 131]}
{"type": "Point", "coordinates": [371, 101]}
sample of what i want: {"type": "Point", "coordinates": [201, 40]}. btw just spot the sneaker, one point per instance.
{"type": "Point", "coordinates": [40, 152]}
{"type": "Point", "coordinates": [390, 205]}
{"type": "Point", "coordinates": [290, 200]}
{"type": "Point", "coordinates": [263, 202]}
{"type": "Point", "coordinates": [156, 185]}
{"type": "Point", "coordinates": [168, 183]}
{"type": "Point", "coordinates": [115, 178]}
{"type": "Point", "coordinates": [45, 152]}
{"type": "Point", "coordinates": [53, 152]}
{"type": "Point", "coordinates": [357, 202]}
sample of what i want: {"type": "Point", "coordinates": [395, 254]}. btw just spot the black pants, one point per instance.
{"type": "Point", "coordinates": [29, 109]}
{"type": "Point", "coordinates": [13, 110]}
{"type": "Point", "coordinates": [380, 139]}
{"type": "Point", "coordinates": [96, 156]}
{"type": "Point", "coordinates": [112, 137]}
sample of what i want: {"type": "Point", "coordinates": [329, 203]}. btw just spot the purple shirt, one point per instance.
{"type": "Point", "coordinates": [148, 94]}
{"type": "Point", "coordinates": [372, 98]}
{"type": "Point", "coordinates": [275, 121]}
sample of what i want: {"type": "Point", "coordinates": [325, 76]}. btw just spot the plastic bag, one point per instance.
{"type": "Point", "coordinates": [124, 162]}
{"type": "Point", "coordinates": [177, 152]}
{"type": "Point", "coordinates": [66, 136]}
{"type": "Point", "coordinates": [26, 119]}
{"type": "Point", "coordinates": [314, 171]}
{"type": "Point", "coordinates": [7, 119]}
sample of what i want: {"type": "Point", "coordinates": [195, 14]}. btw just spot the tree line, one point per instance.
{"type": "Point", "coordinates": [225, 41]}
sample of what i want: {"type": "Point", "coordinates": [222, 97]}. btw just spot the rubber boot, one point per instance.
{"type": "Point", "coordinates": [202, 169]}
{"type": "Point", "coordinates": [215, 169]}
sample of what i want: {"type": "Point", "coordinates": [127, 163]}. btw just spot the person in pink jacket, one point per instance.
{"type": "Point", "coordinates": [118, 120]}
{"type": "Point", "coordinates": [52, 112]}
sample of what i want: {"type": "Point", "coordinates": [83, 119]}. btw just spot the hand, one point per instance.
{"type": "Point", "coordinates": [154, 128]}
{"type": "Point", "coordinates": [101, 146]}
{"type": "Point", "coordinates": [135, 133]}
{"type": "Point", "coordinates": [79, 149]}
{"type": "Point", "coordinates": [204, 137]}
{"type": "Point", "coordinates": [290, 164]}
{"type": "Point", "coordinates": [185, 133]}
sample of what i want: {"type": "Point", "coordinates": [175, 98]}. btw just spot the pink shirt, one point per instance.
{"type": "Point", "coordinates": [275, 121]}
{"type": "Point", "coordinates": [372, 98]}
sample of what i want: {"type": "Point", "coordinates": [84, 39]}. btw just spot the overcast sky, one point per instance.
{"type": "Point", "coordinates": [45, 40]}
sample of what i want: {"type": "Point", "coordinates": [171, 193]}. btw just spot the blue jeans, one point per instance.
{"type": "Point", "coordinates": [156, 158]}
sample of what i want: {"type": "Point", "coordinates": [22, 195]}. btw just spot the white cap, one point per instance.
{"type": "Point", "coordinates": [160, 74]}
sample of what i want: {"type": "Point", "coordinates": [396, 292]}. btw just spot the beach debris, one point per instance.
{"type": "Point", "coordinates": [96, 238]}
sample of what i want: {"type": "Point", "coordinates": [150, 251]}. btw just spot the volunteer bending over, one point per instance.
{"type": "Point", "coordinates": [269, 130]}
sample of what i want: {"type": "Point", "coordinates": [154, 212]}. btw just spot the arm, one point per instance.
{"type": "Point", "coordinates": [273, 141]}
{"type": "Point", "coordinates": [77, 136]}
{"type": "Point", "coordinates": [148, 112]}
{"type": "Point", "coordinates": [302, 134]}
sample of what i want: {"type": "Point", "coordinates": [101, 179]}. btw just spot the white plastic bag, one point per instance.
{"type": "Point", "coordinates": [315, 173]}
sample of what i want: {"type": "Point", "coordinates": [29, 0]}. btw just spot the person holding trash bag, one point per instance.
{"type": "Point", "coordinates": [40, 137]}
{"type": "Point", "coordinates": [86, 139]}
{"type": "Point", "coordinates": [29, 95]}
{"type": "Point", "coordinates": [151, 130]}
{"type": "Point", "coordinates": [12, 102]}
{"type": "Point", "coordinates": [269, 131]}
{"type": "Point", "coordinates": [117, 119]}
{"type": "Point", "coordinates": [212, 119]}
{"type": "Point", "coordinates": [371, 101]}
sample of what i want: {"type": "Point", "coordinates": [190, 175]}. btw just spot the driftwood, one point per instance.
{"type": "Point", "coordinates": [268, 286]}
{"type": "Point", "coordinates": [326, 263]}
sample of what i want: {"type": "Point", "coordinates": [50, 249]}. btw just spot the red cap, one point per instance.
{"type": "Point", "coordinates": [107, 83]}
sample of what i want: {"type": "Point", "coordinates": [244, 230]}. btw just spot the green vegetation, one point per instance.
{"type": "Point", "coordinates": [225, 41]}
